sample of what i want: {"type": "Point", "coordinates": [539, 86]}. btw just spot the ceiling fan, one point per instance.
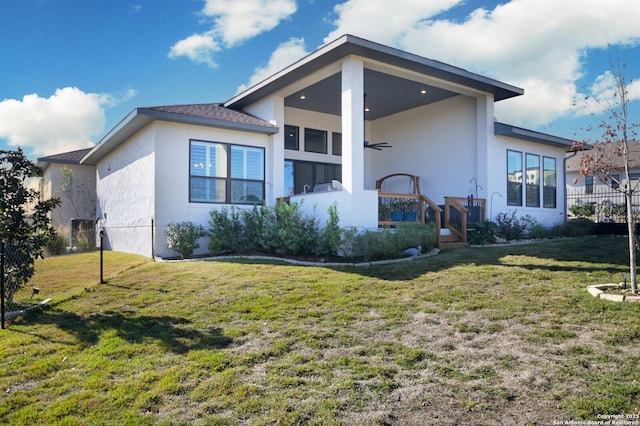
{"type": "Point", "coordinates": [377, 146]}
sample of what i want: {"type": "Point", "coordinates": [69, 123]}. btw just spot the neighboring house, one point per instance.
{"type": "Point", "coordinates": [305, 128]}
{"type": "Point", "coordinates": [77, 190]}
{"type": "Point", "coordinates": [602, 194]}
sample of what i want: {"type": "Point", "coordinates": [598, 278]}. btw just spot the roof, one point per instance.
{"type": "Point", "coordinates": [374, 52]}
{"type": "Point", "coordinates": [212, 114]}
{"type": "Point", "coordinates": [71, 157]}
{"type": "Point", "coordinates": [606, 151]}
{"type": "Point", "coordinates": [503, 129]}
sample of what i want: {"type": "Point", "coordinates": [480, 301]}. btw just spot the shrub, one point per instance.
{"type": "Point", "coordinates": [483, 233]}
{"type": "Point", "coordinates": [331, 235]}
{"type": "Point", "coordinates": [583, 210]}
{"type": "Point", "coordinates": [226, 231]}
{"type": "Point", "coordinates": [57, 245]}
{"type": "Point", "coordinates": [577, 228]}
{"type": "Point", "coordinates": [286, 231]}
{"type": "Point", "coordinates": [389, 243]}
{"type": "Point", "coordinates": [509, 226]}
{"type": "Point", "coordinates": [182, 237]}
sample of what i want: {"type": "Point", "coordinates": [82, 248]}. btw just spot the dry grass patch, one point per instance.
{"type": "Point", "coordinates": [476, 335]}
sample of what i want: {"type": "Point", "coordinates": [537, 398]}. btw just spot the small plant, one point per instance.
{"type": "Point", "coordinates": [509, 226]}
{"type": "Point", "coordinates": [583, 210]}
{"type": "Point", "coordinates": [331, 235]}
{"type": "Point", "coordinates": [182, 237]}
{"type": "Point", "coordinates": [57, 245]}
{"type": "Point", "coordinates": [483, 233]}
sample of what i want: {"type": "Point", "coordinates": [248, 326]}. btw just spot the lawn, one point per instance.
{"type": "Point", "coordinates": [477, 335]}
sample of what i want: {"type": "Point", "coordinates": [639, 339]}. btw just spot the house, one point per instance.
{"type": "Point", "coordinates": [75, 184]}
{"type": "Point", "coordinates": [596, 196]}
{"type": "Point", "coordinates": [324, 131]}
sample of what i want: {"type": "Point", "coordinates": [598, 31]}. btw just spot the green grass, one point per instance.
{"type": "Point", "coordinates": [471, 335]}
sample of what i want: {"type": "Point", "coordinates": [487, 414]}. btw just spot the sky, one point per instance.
{"type": "Point", "coordinates": [70, 70]}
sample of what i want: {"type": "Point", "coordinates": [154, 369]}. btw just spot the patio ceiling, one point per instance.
{"type": "Point", "coordinates": [385, 95]}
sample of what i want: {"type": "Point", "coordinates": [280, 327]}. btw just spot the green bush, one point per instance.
{"type": "Point", "coordinates": [583, 210]}
{"type": "Point", "coordinates": [226, 231]}
{"type": "Point", "coordinates": [509, 226]}
{"type": "Point", "coordinates": [483, 233]}
{"type": "Point", "coordinates": [331, 236]}
{"type": "Point", "coordinates": [390, 243]}
{"type": "Point", "coordinates": [287, 231]}
{"type": "Point", "coordinates": [182, 237]}
{"type": "Point", "coordinates": [577, 228]}
{"type": "Point", "coordinates": [57, 245]}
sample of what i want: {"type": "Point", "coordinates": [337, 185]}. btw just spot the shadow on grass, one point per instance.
{"type": "Point", "coordinates": [591, 254]}
{"type": "Point", "coordinates": [595, 254]}
{"type": "Point", "coordinates": [171, 333]}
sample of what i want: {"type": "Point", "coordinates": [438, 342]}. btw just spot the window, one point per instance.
{"type": "Point", "coordinates": [223, 173]}
{"type": "Point", "coordinates": [550, 181]}
{"type": "Point", "coordinates": [514, 178]}
{"type": "Point", "coordinates": [315, 141]}
{"type": "Point", "coordinates": [588, 185]}
{"type": "Point", "coordinates": [533, 180]}
{"type": "Point", "coordinates": [291, 137]}
{"type": "Point", "coordinates": [336, 143]}
{"type": "Point", "coordinates": [615, 181]}
{"type": "Point", "coordinates": [298, 174]}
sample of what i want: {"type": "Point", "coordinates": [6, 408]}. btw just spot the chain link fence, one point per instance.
{"type": "Point", "coordinates": [70, 267]}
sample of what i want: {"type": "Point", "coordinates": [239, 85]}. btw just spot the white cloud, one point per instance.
{"type": "Point", "coordinates": [539, 45]}
{"type": "Point", "coordinates": [233, 22]}
{"type": "Point", "coordinates": [65, 121]}
{"type": "Point", "coordinates": [198, 47]}
{"type": "Point", "coordinates": [240, 20]}
{"type": "Point", "coordinates": [284, 55]}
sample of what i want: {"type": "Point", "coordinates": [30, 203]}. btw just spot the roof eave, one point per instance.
{"type": "Point", "coordinates": [503, 129]}
{"type": "Point", "coordinates": [351, 45]}
{"type": "Point", "coordinates": [139, 118]}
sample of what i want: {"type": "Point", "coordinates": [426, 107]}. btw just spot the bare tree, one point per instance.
{"type": "Point", "coordinates": [616, 151]}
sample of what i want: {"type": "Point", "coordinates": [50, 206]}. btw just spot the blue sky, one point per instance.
{"type": "Point", "coordinates": [70, 70]}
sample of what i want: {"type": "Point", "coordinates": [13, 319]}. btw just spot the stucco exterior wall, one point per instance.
{"type": "Point", "coordinates": [79, 202]}
{"type": "Point", "coordinates": [436, 142]}
{"type": "Point", "coordinates": [126, 192]}
{"type": "Point", "coordinates": [171, 186]}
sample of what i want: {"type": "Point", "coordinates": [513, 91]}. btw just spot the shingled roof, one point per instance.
{"type": "Point", "coordinates": [214, 111]}
{"type": "Point", "coordinates": [71, 157]}
{"type": "Point", "coordinates": [212, 114]}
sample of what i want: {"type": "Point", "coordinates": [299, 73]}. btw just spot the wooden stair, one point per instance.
{"type": "Point", "coordinates": [449, 240]}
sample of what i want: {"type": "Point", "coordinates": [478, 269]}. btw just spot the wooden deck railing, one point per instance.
{"type": "Point", "coordinates": [394, 209]}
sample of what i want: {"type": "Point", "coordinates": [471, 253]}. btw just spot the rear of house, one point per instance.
{"type": "Point", "coordinates": [324, 131]}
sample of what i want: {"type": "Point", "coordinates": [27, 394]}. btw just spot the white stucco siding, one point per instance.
{"type": "Point", "coordinates": [125, 187]}
{"type": "Point", "coordinates": [436, 142]}
{"type": "Point", "coordinates": [172, 175]}
{"type": "Point", "coordinates": [312, 120]}
{"type": "Point", "coordinates": [497, 184]}
{"type": "Point", "coordinates": [78, 202]}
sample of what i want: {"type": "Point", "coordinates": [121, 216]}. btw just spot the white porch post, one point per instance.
{"type": "Point", "coordinates": [484, 132]}
{"type": "Point", "coordinates": [353, 125]}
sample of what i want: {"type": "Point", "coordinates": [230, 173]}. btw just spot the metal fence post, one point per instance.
{"type": "Point", "coordinates": [2, 307]}
{"type": "Point", "coordinates": [102, 256]}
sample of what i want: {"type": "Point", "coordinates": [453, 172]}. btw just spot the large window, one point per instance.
{"type": "Point", "coordinates": [533, 180]}
{"type": "Point", "coordinates": [550, 181]}
{"type": "Point", "coordinates": [315, 141]}
{"type": "Point", "coordinates": [223, 173]}
{"type": "Point", "coordinates": [514, 178]}
{"type": "Point", "coordinates": [302, 176]}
